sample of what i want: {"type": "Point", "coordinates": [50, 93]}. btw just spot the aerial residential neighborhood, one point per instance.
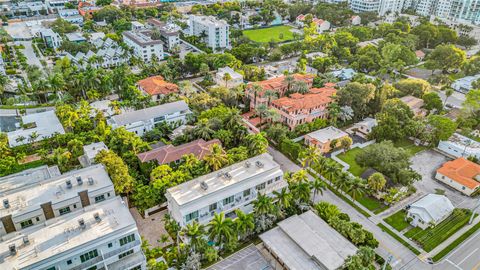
{"type": "Point", "coordinates": [239, 135]}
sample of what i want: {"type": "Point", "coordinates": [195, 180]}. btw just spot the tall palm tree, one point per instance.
{"type": "Point", "coordinates": [261, 110]}
{"type": "Point", "coordinates": [195, 232]}
{"type": "Point", "coordinates": [357, 188]}
{"type": "Point", "coordinates": [227, 77]}
{"type": "Point", "coordinates": [217, 158]}
{"type": "Point", "coordinates": [269, 94]}
{"type": "Point", "coordinates": [301, 191]}
{"type": "Point", "coordinates": [244, 223]}
{"type": "Point", "coordinates": [256, 89]}
{"type": "Point", "coordinates": [318, 186]}
{"type": "Point", "coordinates": [33, 136]}
{"type": "Point", "coordinates": [288, 80]}
{"type": "Point", "coordinates": [263, 205]}
{"type": "Point", "coordinates": [310, 156]}
{"type": "Point", "coordinates": [220, 229]}
{"type": "Point", "coordinates": [283, 198]}
{"type": "Point", "coordinates": [203, 130]}
{"type": "Point", "coordinates": [300, 176]}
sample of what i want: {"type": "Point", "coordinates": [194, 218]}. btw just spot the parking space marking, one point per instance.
{"type": "Point", "coordinates": [456, 266]}
{"type": "Point", "coordinates": [471, 253]}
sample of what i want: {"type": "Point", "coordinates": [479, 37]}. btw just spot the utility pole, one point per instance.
{"type": "Point", "coordinates": [387, 262]}
{"type": "Point", "coordinates": [474, 211]}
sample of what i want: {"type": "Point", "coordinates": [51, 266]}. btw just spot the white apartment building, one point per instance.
{"type": "Point", "coordinates": [31, 201]}
{"type": "Point", "coordinates": [360, 6]}
{"type": "Point", "coordinates": [144, 120]}
{"type": "Point", "coordinates": [102, 236]}
{"type": "Point", "coordinates": [231, 188]}
{"type": "Point", "coordinates": [169, 32]}
{"type": "Point", "coordinates": [215, 33]}
{"type": "Point", "coordinates": [144, 47]}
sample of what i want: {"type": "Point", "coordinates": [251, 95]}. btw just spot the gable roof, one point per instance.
{"type": "Point", "coordinates": [169, 153]}
{"type": "Point", "coordinates": [156, 85]}
{"type": "Point", "coordinates": [462, 171]}
{"type": "Point", "coordinates": [432, 207]}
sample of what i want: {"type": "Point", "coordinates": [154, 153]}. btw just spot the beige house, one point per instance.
{"type": "Point", "coordinates": [323, 138]}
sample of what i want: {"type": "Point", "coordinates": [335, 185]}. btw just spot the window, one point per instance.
{"type": "Point", "coordinates": [64, 210]}
{"type": "Point", "coordinates": [246, 192]}
{"type": "Point", "coordinates": [277, 178]}
{"type": "Point", "coordinates": [228, 200]}
{"type": "Point", "coordinates": [191, 216]}
{"type": "Point", "coordinates": [110, 245]}
{"type": "Point", "coordinates": [108, 194]}
{"type": "Point", "coordinates": [261, 186]}
{"type": "Point", "coordinates": [138, 267]}
{"type": "Point", "coordinates": [125, 254]}
{"type": "Point", "coordinates": [158, 119]}
{"type": "Point", "coordinates": [269, 181]}
{"type": "Point", "coordinates": [37, 218]}
{"type": "Point", "coordinates": [69, 262]}
{"type": "Point", "coordinates": [26, 223]}
{"type": "Point", "coordinates": [51, 268]}
{"type": "Point", "coordinates": [127, 239]}
{"type": "Point", "coordinates": [89, 255]}
{"type": "Point", "coordinates": [212, 207]}
{"type": "Point", "coordinates": [74, 206]}
{"type": "Point", "coordinates": [100, 198]}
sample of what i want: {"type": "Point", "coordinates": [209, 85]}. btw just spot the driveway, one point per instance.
{"type": "Point", "coordinates": [32, 58]}
{"type": "Point", "coordinates": [426, 163]}
{"type": "Point", "coordinates": [151, 228]}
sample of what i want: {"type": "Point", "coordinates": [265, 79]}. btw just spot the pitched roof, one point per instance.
{"type": "Point", "coordinates": [436, 207]}
{"type": "Point", "coordinates": [156, 85]}
{"type": "Point", "coordinates": [298, 101]}
{"type": "Point", "coordinates": [462, 171]}
{"type": "Point", "coordinates": [170, 153]}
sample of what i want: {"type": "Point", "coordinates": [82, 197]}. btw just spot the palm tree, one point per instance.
{"type": "Point", "coordinates": [310, 156]}
{"type": "Point", "coordinates": [289, 79]}
{"type": "Point", "coordinates": [269, 94]}
{"type": "Point", "coordinates": [33, 136]}
{"type": "Point", "coordinates": [263, 205]}
{"type": "Point", "coordinates": [255, 88]}
{"type": "Point", "coordinates": [318, 186]}
{"type": "Point", "coordinates": [448, 93]}
{"type": "Point", "coordinates": [195, 232]}
{"type": "Point", "coordinates": [283, 198]}
{"type": "Point", "coordinates": [220, 229]}
{"type": "Point", "coordinates": [261, 110]}
{"type": "Point", "coordinates": [301, 191]}
{"type": "Point", "coordinates": [300, 176]}
{"type": "Point", "coordinates": [217, 158]}
{"type": "Point", "coordinates": [226, 77]}
{"type": "Point", "coordinates": [203, 130]}
{"type": "Point", "coordinates": [20, 139]}
{"type": "Point", "coordinates": [244, 223]}
{"type": "Point", "coordinates": [357, 188]}
{"type": "Point", "coordinates": [344, 181]}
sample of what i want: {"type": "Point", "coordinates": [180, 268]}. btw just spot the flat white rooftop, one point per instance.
{"type": "Point", "coordinates": [327, 134]}
{"type": "Point", "coordinates": [45, 125]}
{"type": "Point", "coordinates": [93, 149]}
{"type": "Point", "coordinates": [27, 177]}
{"type": "Point", "coordinates": [62, 234]}
{"type": "Point", "coordinates": [216, 181]}
{"type": "Point", "coordinates": [306, 242]}
{"type": "Point", "coordinates": [149, 113]}
{"type": "Point", "coordinates": [30, 197]}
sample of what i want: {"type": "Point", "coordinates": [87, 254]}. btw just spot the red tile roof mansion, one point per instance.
{"type": "Point", "coordinates": [169, 153]}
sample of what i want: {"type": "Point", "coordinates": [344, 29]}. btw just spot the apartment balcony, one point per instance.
{"type": "Point", "coordinates": [128, 262]}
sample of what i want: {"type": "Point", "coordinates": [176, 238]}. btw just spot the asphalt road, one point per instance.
{"type": "Point", "coordinates": [465, 257]}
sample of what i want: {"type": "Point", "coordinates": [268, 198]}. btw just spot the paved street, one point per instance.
{"type": "Point", "coordinates": [403, 258]}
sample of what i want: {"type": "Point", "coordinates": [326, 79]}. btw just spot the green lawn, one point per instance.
{"type": "Point", "coordinates": [432, 237]}
{"type": "Point", "coordinates": [397, 220]}
{"type": "Point", "coordinates": [410, 146]}
{"type": "Point", "coordinates": [349, 157]}
{"type": "Point", "coordinates": [372, 204]}
{"type": "Point", "coordinates": [277, 33]}
{"type": "Point", "coordinates": [455, 243]}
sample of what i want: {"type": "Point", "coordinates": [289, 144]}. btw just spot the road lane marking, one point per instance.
{"type": "Point", "coordinates": [456, 266]}
{"type": "Point", "coordinates": [471, 253]}
{"type": "Point", "coordinates": [463, 244]}
{"type": "Point", "coordinates": [476, 266]}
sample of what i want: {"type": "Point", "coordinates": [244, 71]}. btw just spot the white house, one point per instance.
{"type": "Point", "coordinates": [460, 146]}
{"type": "Point", "coordinates": [460, 174]}
{"type": "Point", "coordinates": [36, 127]}
{"type": "Point", "coordinates": [235, 77]}
{"type": "Point", "coordinates": [465, 84]}
{"type": "Point", "coordinates": [214, 32]}
{"type": "Point", "coordinates": [429, 210]}
{"type": "Point", "coordinates": [144, 47]}
{"type": "Point", "coordinates": [102, 236]}
{"type": "Point", "coordinates": [321, 25]}
{"type": "Point", "coordinates": [356, 20]}
{"type": "Point", "coordinates": [169, 32]}
{"type": "Point", "coordinates": [231, 188]}
{"type": "Point", "coordinates": [364, 127]}
{"type": "Point", "coordinates": [90, 151]}
{"type": "Point", "coordinates": [145, 120]}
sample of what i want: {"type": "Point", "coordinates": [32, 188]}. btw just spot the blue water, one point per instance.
{"type": "Point", "coordinates": [278, 20]}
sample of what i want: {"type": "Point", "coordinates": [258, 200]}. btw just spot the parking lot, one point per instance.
{"type": "Point", "coordinates": [248, 258]}
{"type": "Point", "coordinates": [426, 163]}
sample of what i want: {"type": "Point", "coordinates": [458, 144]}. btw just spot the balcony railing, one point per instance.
{"type": "Point", "coordinates": [122, 249]}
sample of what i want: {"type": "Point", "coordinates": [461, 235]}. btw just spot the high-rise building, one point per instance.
{"type": "Point", "coordinates": [465, 11]}
{"type": "Point", "coordinates": [215, 33]}
{"type": "Point", "coordinates": [381, 6]}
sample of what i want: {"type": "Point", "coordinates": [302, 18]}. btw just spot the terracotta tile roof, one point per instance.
{"type": "Point", "coordinates": [420, 54]}
{"type": "Point", "coordinates": [296, 101]}
{"type": "Point", "coordinates": [170, 153]}
{"type": "Point", "coordinates": [277, 83]}
{"type": "Point", "coordinates": [156, 85]}
{"type": "Point", "coordinates": [462, 171]}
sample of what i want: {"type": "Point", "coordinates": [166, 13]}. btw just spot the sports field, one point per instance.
{"type": "Point", "coordinates": [279, 33]}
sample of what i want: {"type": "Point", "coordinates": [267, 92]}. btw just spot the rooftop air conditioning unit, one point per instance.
{"type": "Point", "coordinates": [26, 241]}
{"type": "Point", "coordinates": [82, 224]}
{"type": "Point", "coordinates": [79, 180]}
{"type": "Point", "coordinates": [259, 164]}
{"type": "Point", "coordinates": [69, 184]}
{"type": "Point", "coordinates": [13, 249]}
{"type": "Point", "coordinates": [247, 164]}
{"type": "Point", "coordinates": [227, 176]}
{"type": "Point", "coordinates": [6, 203]}
{"type": "Point", "coordinates": [204, 185]}
{"type": "Point", "coordinates": [90, 181]}
{"type": "Point", "coordinates": [97, 217]}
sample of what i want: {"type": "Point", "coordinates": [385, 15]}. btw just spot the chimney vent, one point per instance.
{"type": "Point", "coordinates": [13, 249]}
{"type": "Point", "coordinates": [79, 180]}
{"type": "Point", "coordinates": [82, 224]}
{"type": "Point", "coordinates": [204, 185]}
{"type": "Point", "coordinates": [6, 203]}
{"type": "Point", "coordinates": [69, 184]}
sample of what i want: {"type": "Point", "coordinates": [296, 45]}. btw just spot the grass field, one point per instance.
{"type": "Point", "coordinates": [455, 243]}
{"type": "Point", "coordinates": [432, 237]}
{"type": "Point", "coordinates": [397, 220]}
{"type": "Point", "coordinates": [410, 146]}
{"type": "Point", "coordinates": [373, 204]}
{"type": "Point", "coordinates": [277, 33]}
{"type": "Point", "coordinates": [349, 157]}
